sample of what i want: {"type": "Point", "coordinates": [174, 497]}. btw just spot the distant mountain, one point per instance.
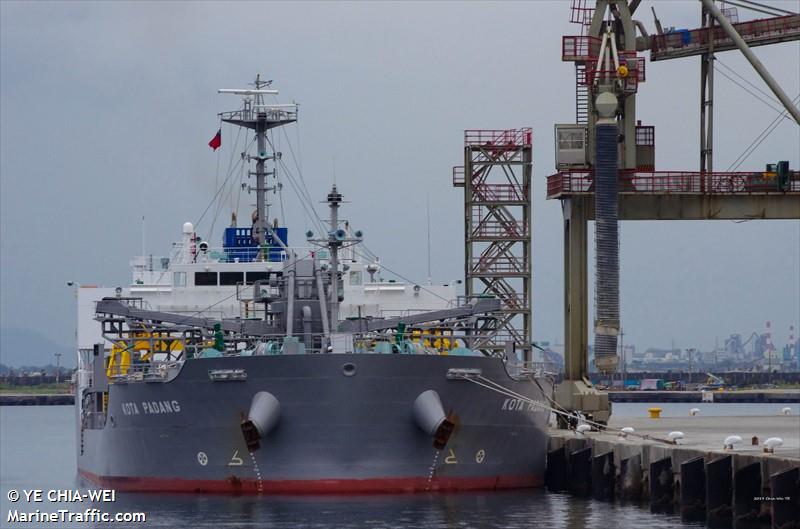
{"type": "Point", "coordinates": [24, 347]}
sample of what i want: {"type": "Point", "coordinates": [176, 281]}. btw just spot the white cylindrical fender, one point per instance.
{"type": "Point", "coordinates": [265, 410]}
{"type": "Point", "coordinates": [429, 412]}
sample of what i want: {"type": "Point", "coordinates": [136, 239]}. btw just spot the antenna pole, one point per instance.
{"type": "Point", "coordinates": [259, 117]}
{"type": "Point", "coordinates": [261, 141]}
{"type": "Point", "coordinates": [334, 199]}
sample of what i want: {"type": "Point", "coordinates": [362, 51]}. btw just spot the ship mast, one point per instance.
{"type": "Point", "coordinates": [260, 117]}
{"type": "Point", "coordinates": [335, 240]}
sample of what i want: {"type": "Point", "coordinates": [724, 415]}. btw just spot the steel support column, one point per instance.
{"type": "Point", "coordinates": [576, 287]}
{"type": "Point", "coordinates": [707, 98]}
{"type": "Point", "coordinates": [576, 391]}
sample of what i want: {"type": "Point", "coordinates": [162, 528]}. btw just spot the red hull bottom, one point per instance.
{"type": "Point", "coordinates": [319, 486]}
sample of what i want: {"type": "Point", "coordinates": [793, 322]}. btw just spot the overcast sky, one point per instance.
{"type": "Point", "coordinates": [106, 109]}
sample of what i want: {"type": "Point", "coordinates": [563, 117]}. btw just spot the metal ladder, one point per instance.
{"type": "Point", "coordinates": [581, 94]}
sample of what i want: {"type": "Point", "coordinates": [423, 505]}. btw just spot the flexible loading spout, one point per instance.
{"type": "Point", "coordinates": [606, 245]}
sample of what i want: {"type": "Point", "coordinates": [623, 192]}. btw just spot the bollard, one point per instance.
{"type": "Point", "coordinates": [655, 413]}
{"type": "Point", "coordinates": [556, 471]}
{"type": "Point", "coordinates": [693, 489]}
{"type": "Point", "coordinates": [580, 471]}
{"type": "Point", "coordinates": [785, 490]}
{"type": "Point", "coordinates": [746, 494]}
{"type": "Point", "coordinates": [603, 471]}
{"type": "Point", "coordinates": [661, 485]}
{"type": "Point", "coordinates": [630, 478]}
{"type": "Point", "coordinates": [719, 491]}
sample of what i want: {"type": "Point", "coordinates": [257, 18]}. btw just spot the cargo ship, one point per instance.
{"type": "Point", "coordinates": [265, 368]}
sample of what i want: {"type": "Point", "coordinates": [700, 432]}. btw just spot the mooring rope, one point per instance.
{"type": "Point", "coordinates": [498, 388]}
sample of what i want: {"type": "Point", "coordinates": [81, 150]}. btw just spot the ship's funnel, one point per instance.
{"type": "Point", "coordinates": [265, 410]}
{"type": "Point", "coordinates": [430, 417]}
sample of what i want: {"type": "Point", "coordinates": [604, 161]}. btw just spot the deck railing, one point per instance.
{"type": "Point", "coordinates": [695, 39]}
{"type": "Point", "coordinates": [499, 138]}
{"type": "Point", "coordinates": [678, 182]}
{"type": "Point", "coordinates": [499, 193]}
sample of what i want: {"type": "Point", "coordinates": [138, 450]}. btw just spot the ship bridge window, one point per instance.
{"type": "Point", "coordinates": [252, 277]}
{"type": "Point", "coordinates": [355, 278]}
{"type": "Point", "coordinates": [179, 279]}
{"type": "Point", "coordinates": [231, 278]}
{"type": "Point", "coordinates": [205, 279]}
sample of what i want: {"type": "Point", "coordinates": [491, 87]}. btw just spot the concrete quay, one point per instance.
{"type": "Point", "coordinates": [730, 397]}
{"type": "Point", "coordinates": [741, 487]}
{"type": "Point", "coordinates": [36, 399]}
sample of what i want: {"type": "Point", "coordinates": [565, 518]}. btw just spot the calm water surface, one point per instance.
{"type": "Point", "coordinates": [37, 451]}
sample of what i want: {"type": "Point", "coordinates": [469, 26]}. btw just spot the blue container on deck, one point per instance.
{"type": "Point", "coordinates": [239, 245]}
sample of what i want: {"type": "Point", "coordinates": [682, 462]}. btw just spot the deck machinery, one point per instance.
{"type": "Point", "coordinates": [606, 166]}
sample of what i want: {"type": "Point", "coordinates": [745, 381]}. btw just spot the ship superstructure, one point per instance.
{"type": "Point", "coordinates": [203, 279]}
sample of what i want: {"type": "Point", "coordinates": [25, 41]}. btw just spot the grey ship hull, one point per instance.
{"type": "Point", "coordinates": [336, 433]}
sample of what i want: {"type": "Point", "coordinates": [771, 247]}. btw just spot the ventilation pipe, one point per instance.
{"type": "Point", "coordinates": [307, 336]}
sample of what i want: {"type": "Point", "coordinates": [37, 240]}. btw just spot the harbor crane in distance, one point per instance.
{"type": "Point", "coordinates": [605, 164]}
